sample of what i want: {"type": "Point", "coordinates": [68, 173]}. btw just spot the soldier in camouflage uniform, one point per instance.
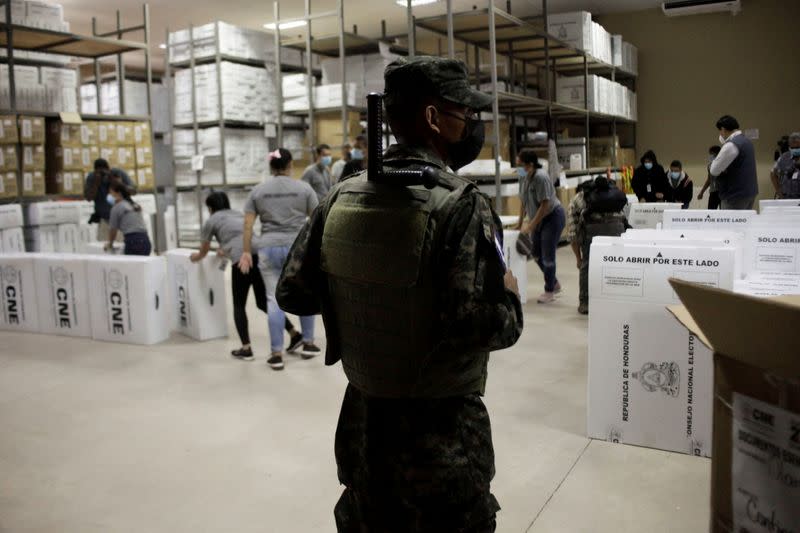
{"type": "Point", "coordinates": [414, 293]}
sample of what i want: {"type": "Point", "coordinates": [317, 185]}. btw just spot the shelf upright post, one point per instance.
{"type": "Point", "coordinates": [451, 45]}
{"type": "Point", "coordinates": [551, 134]}
{"type": "Point", "coordinates": [220, 106]}
{"type": "Point", "coordinates": [411, 33]}
{"type": "Point", "coordinates": [477, 57]}
{"type": "Point", "coordinates": [586, 104]}
{"type": "Point", "coordinates": [148, 67]}
{"type": "Point", "coordinates": [342, 72]}
{"type": "Point", "coordinates": [614, 155]}
{"type": "Point", "coordinates": [312, 137]}
{"type": "Point", "coordinates": [12, 85]}
{"type": "Point", "coordinates": [495, 105]}
{"type": "Point", "coordinates": [513, 115]}
{"type": "Point", "coordinates": [97, 80]}
{"type": "Point", "coordinates": [278, 74]}
{"type": "Point", "coordinates": [195, 127]}
{"type": "Point", "coordinates": [120, 69]}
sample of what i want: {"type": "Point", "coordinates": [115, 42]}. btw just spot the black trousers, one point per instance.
{"type": "Point", "coordinates": [240, 287]}
{"type": "Point", "coordinates": [713, 200]}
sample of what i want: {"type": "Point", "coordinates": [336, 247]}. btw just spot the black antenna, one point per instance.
{"type": "Point", "coordinates": [375, 173]}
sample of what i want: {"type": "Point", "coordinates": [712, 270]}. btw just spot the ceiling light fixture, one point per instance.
{"type": "Point", "coordinates": [162, 46]}
{"type": "Point", "coordinates": [415, 3]}
{"type": "Point", "coordinates": [286, 25]}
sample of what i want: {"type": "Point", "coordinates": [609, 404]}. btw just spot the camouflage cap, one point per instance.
{"type": "Point", "coordinates": [446, 78]}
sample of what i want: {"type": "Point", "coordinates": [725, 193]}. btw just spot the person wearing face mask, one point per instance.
{"type": "Point", "coordinates": [126, 218]}
{"type": "Point", "coordinates": [338, 166]}
{"type": "Point", "coordinates": [96, 190]}
{"type": "Point", "coordinates": [735, 166]}
{"type": "Point", "coordinates": [318, 175]}
{"type": "Point", "coordinates": [681, 188]}
{"type": "Point", "coordinates": [786, 172]}
{"type": "Point", "coordinates": [711, 181]}
{"type": "Point", "coordinates": [414, 290]}
{"type": "Point", "coordinates": [649, 180]}
{"type": "Point", "coordinates": [545, 219]}
{"type": "Point", "coordinates": [358, 158]}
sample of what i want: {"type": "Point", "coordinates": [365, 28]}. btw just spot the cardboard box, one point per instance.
{"type": "Point", "coordinates": [144, 178]}
{"type": "Point", "coordinates": [8, 158]}
{"type": "Point", "coordinates": [8, 129]}
{"type": "Point", "coordinates": [649, 216]}
{"type": "Point", "coordinates": [142, 136]}
{"type": "Point", "coordinates": [18, 293]}
{"type": "Point", "coordinates": [675, 218]}
{"type": "Point", "coordinates": [756, 446]}
{"type": "Point", "coordinates": [89, 154]}
{"type": "Point", "coordinates": [650, 381]}
{"type": "Point", "coordinates": [110, 155]}
{"type": "Point", "coordinates": [12, 240]}
{"type": "Point", "coordinates": [33, 157]}
{"type": "Point", "coordinates": [65, 158]}
{"type": "Point", "coordinates": [73, 135]}
{"type": "Point", "coordinates": [47, 213]}
{"type": "Point", "coordinates": [11, 216]}
{"type": "Point", "coordinates": [65, 182]}
{"type": "Point", "coordinates": [130, 300]}
{"type": "Point", "coordinates": [144, 156]}
{"type": "Point", "coordinates": [31, 130]}
{"type": "Point", "coordinates": [106, 134]}
{"type": "Point", "coordinates": [328, 128]}
{"type": "Point", "coordinates": [601, 151]}
{"type": "Point", "coordinates": [198, 296]}
{"type": "Point", "coordinates": [33, 183]}
{"type": "Point", "coordinates": [124, 133]}
{"type": "Point", "coordinates": [63, 295]}
{"type": "Point", "coordinates": [125, 157]}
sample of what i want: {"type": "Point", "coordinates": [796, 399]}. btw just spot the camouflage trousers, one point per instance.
{"type": "Point", "coordinates": [418, 465]}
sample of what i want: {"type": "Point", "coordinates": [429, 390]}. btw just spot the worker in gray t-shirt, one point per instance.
{"type": "Point", "coordinates": [283, 205]}
{"type": "Point", "coordinates": [126, 218]}
{"type": "Point", "coordinates": [542, 217]}
{"type": "Point", "coordinates": [227, 226]}
{"type": "Point", "coordinates": [318, 175]}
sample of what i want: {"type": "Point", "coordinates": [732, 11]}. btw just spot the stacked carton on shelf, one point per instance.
{"type": "Point", "coordinates": [32, 137]}
{"type": "Point", "coordinates": [68, 148]}
{"type": "Point", "coordinates": [9, 169]}
{"type": "Point", "coordinates": [12, 238]}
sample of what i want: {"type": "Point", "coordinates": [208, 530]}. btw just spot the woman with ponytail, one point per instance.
{"type": "Point", "coordinates": [126, 217]}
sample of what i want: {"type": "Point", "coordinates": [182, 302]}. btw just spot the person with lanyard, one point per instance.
{"type": "Point", "coordinates": [283, 204]}
{"type": "Point", "coordinates": [649, 180]}
{"type": "Point", "coordinates": [96, 190]}
{"type": "Point", "coordinates": [338, 166]}
{"type": "Point", "coordinates": [711, 181]}
{"type": "Point", "coordinates": [126, 217]}
{"type": "Point", "coordinates": [786, 172]}
{"type": "Point", "coordinates": [735, 167]}
{"type": "Point", "coordinates": [358, 158]}
{"type": "Point", "coordinates": [681, 188]}
{"type": "Point", "coordinates": [318, 175]}
{"type": "Point", "coordinates": [543, 218]}
{"type": "Point", "coordinates": [226, 226]}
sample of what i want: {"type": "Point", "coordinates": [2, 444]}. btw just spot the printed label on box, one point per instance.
{"type": "Point", "coordinates": [623, 281]}
{"type": "Point", "coordinates": [86, 157]}
{"type": "Point", "coordinates": [27, 129]}
{"type": "Point", "coordinates": [27, 181]}
{"type": "Point", "coordinates": [102, 133]}
{"type": "Point", "coordinates": [137, 133]}
{"type": "Point", "coordinates": [28, 155]}
{"type": "Point", "coordinates": [67, 157]}
{"type": "Point", "coordinates": [765, 467]}
{"type": "Point", "coordinates": [68, 181]}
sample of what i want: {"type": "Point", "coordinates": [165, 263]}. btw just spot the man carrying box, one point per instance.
{"type": "Point", "coordinates": [96, 189]}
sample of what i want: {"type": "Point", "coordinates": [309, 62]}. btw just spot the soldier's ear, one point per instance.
{"type": "Point", "coordinates": [432, 118]}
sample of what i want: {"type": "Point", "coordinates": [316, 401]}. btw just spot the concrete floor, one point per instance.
{"type": "Point", "coordinates": [98, 437]}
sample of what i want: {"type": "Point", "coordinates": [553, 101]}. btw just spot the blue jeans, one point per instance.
{"type": "Point", "coordinates": [271, 261]}
{"type": "Point", "coordinates": [545, 244]}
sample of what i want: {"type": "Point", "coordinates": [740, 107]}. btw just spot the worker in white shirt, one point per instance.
{"type": "Point", "coordinates": [735, 167]}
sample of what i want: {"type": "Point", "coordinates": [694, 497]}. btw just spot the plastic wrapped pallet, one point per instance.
{"type": "Point", "coordinates": [18, 293]}
{"type": "Point", "coordinates": [246, 156]}
{"type": "Point", "coordinates": [130, 301]}
{"type": "Point", "coordinates": [63, 291]}
{"type": "Point", "coordinates": [198, 295]}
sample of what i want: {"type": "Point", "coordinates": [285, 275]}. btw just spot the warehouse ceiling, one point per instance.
{"type": "Point", "coordinates": [366, 14]}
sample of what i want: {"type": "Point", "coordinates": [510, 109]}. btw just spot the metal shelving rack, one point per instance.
{"type": "Point", "coordinates": [528, 42]}
{"type": "Point", "coordinates": [95, 47]}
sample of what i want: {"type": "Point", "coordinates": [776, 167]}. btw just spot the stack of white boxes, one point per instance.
{"type": "Point", "coordinates": [247, 93]}
{"type": "Point", "coordinates": [41, 89]}
{"type": "Point", "coordinates": [233, 41]}
{"type": "Point", "coordinates": [18, 293]}
{"type": "Point", "coordinates": [52, 227]}
{"type": "Point", "coordinates": [189, 216]}
{"type": "Point", "coordinates": [650, 380]}
{"type": "Point", "coordinates": [36, 14]}
{"type": "Point", "coordinates": [12, 238]}
{"type": "Point", "coordinates": [197, 295]}
{"type": "Point", "coordinates": [328, 96]}
{"type": "Point", "coordinates": [578, 30]}
{"type": "Point", "coordinates": [135, 101]}
{"type": "Point", "coordinates": [605, 96]}
{"type": "Point", "coordinates": [245, 155]}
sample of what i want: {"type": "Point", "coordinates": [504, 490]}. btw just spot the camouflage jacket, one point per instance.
{"type": "Point", "coordinates": [479, 314]}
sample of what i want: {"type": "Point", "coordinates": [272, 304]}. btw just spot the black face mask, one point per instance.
{"type": "Point", "coordinates": [465, 151]}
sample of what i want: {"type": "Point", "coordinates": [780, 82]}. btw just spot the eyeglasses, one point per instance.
{"type": "Point", "coordinates": [467, 117]}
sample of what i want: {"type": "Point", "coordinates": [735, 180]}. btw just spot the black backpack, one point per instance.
{"type": "Point", "coordinates": [604, 198]}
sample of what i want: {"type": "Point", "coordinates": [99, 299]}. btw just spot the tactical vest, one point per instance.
{"type": "Point", "coordinates": [379, 250]}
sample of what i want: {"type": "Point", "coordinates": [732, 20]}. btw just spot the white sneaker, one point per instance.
{"type": "Point", "coordinates": [546, 298]}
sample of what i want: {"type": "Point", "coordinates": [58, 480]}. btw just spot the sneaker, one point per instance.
{"type": "Point", "coordinates": [557, 288]}
{"type": "Point", "coordinates": [243, 354]}
{"type": "Point", "coordinates": [546, 298]}
{"type": "Point", "coordinates": [294, 342]}
{"type": "Point", "coordinates": [583, 309]}
{"type": "Point", "coordinates": [309, 350]}
{"type": "Point", "coordinates": [275, 362]}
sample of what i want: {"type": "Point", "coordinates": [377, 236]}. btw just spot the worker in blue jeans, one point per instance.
{"type": "Point", "coordinates": [543, 217]}
{"type": "Point", "coordinates": [283, 205]}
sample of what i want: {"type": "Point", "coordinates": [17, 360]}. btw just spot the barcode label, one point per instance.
{"type": "Point", "coordinates": [122, 158]}
{"type": "Point", "coordinates": [67, 157]}
{"type": "Point", "coordinates": [121, 133]}
{"type": "Point", "coordinates": [85, 157]}
{"type": "Point", "coordinates": [85, 134]}
{"type": "Point", "coordinates": [141, 177]}
{"type": "Point", "coordinates": [103, 133]}
{"type": "Point", "coordinates": [140, 155]}
{"type": "Point", "coordinates": [137, 132]}
{"type": "Point", "coordinates": [27, 129]}
{"type": "Point", "coordinates": [27, 181]}
{"type": "Point", "coordinates": [28, 155]}
{"type": "Point", "coordinates": [68, 181]}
